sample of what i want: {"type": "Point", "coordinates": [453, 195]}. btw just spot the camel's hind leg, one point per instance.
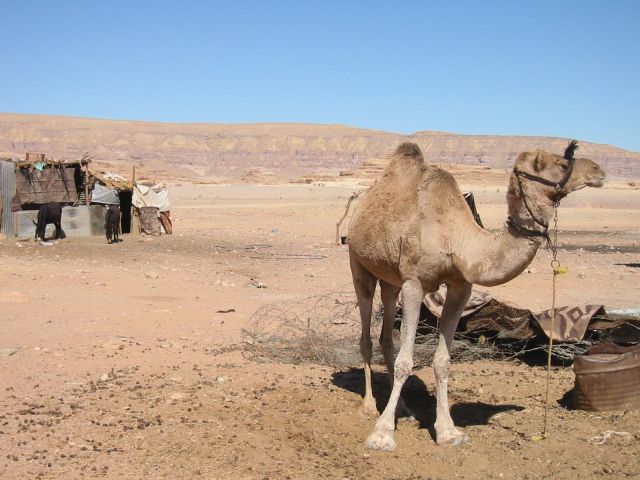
{"type": "Point", "coordinates": [457, 297]}
{"type": "Point", "coordinates": [365, 287]}
{"type": "Point", "coordinates": [382, 436]}
{"type": "Point", "coordinates": [389, 295]}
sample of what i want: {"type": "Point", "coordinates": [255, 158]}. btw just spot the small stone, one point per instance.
{"type": "Point", "coordinates": [113, 345]}
{"type": "Point", "coordinates": [7, 352]}
{"type": "Point", "coordinates": [104, 377]}
{"type": "Point", "coordinates": [151, 274]}
{"type": "Point", "coordinates": [174, 397]}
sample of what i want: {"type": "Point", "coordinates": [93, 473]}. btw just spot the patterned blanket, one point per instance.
{"type": "Point", "coordinates": [485, 314]}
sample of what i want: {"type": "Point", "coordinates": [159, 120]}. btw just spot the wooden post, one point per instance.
{"type": "Point", "coordinates": [86, 185]}
{"type": "Point", "coordinates": [135, 221]}
{"type": "Point", "coordinates": [346, 212]}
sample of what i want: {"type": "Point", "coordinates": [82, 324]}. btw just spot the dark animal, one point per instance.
{"type": "Point", "coordinates": [49, 213]}
{"type": "Point", "coordinates": [112, 223]}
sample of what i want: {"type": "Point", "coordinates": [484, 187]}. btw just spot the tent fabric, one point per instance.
{"type": "Point", "coordinates": [483, 313]}
{"type": "Point", "coordinates": [435, 301]}
{"type": "Point", "coordinates": [104, 195]}
{"type": "Point", "coordinates": [155, 196]}
{"type": "Point", "coordinates": [56, 184]}
{"type": "Point", "coordinates": [570, 323]}
{"type": "Point", "coordinates": [166, 222]}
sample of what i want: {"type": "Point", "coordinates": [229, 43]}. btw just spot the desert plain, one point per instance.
{"type": "Point", "coordinates": [130, 361]}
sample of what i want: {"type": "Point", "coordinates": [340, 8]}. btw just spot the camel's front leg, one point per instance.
{"type": "Point", "coordinates": [382, 436]}
{"type": "Point", "coordinates": [389, 296]}
{"type": "Point", "coordinates": [457, 297]}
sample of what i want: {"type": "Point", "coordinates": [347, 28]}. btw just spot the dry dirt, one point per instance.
{"type": "Point", "coordinates": [126, 368]}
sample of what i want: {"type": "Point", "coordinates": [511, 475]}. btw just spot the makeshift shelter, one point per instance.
{"type": "Point", "coordinates": [27, 184]}
{"type": "Point", "coordinates": [153, 207]}
{"type": "Point", "coordinates": [107, 188]}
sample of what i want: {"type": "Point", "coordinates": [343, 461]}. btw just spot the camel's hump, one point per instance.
{"type": "Point", "coordinates": [408, 149]}
{"type": "Point", "coordinates": [406, 159]}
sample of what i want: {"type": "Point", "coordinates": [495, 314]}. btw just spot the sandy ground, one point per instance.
{"type": "Point", "coordinates": [126, 366]}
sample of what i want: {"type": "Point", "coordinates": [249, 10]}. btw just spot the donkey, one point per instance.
{"type": "Point", "coordinates": [49, 213]}
{"type": "Point", "coordinates": [112, 223]}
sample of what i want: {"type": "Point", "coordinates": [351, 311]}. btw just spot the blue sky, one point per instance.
{"type": "Point", "coordinates": [558, 68]}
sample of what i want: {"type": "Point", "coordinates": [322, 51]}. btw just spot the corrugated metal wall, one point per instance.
{"type": "Point", "coordinates": [76, 222]}
{"type": "Point", "coordinates": [24, 224]}
{"type": "Point", "coordinates": [7, 190]}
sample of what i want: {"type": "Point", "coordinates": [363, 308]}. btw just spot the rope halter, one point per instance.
{"type": "Point", "coordinates": [560, 194]}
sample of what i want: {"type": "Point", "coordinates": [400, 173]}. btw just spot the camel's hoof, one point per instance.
{"type": "Point", "coordinates": [381, 440]}
{"type": "Point", "coordinates": [368, 411]}
{"type": "Point", "coordinates": [453, 439]}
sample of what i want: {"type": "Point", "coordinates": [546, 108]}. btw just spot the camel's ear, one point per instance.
{"type": "Point", "coordinates": [539, 162]}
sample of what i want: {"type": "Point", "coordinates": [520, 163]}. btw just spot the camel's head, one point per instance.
{"type": "Point", "coordinates": [558, 175]}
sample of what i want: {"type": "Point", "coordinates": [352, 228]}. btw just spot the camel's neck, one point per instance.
{"type": "Point", "coordinates": [494, 259]}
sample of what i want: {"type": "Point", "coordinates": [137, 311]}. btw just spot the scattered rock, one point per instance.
{"type": "Point", "coordinates": [104, 377]}
{"type": "Point", "coordinates": [152, 274]}
{"type": "Point", "coordinates": [7, 352]}
{"type": "Point", "coordinates": [602, 439]}
{"type": "Point", "coordinates": [113, 345]}
{"type": "Point", "coordinates": [174, 397]}
{"type": "Point", "coordinates": [226, 310]}
{"type": "Point", "coordinates": [257, 284]}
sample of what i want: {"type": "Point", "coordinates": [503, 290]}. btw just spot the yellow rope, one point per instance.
{"type": "Point", "coordinates": [555, 266]}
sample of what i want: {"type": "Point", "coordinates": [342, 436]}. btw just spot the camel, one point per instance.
{"type": "Point", "coordinates": [412, 232]}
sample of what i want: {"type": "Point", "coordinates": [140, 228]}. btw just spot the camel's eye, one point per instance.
{"type": "Point", "coordinates": [564, 167]}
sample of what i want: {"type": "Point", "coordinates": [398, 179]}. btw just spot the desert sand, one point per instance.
{"type": "Point", "coordinates": [124, 365]}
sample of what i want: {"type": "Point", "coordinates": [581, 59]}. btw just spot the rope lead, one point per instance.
{"type": "Point", "coordinates": [557, 270]}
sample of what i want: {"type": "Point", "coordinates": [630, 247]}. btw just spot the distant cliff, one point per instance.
{"type": "Point", "coordinates": [216, 150]}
